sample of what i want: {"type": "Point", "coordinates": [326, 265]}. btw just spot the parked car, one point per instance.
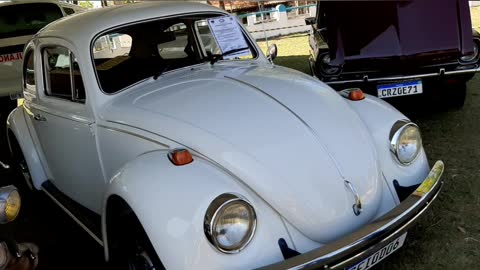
{"type": "Point", "coordinates": [19, 21]}
{"type": "Point", "coordinates": [175, 146]}
{"type": "Point", "coordinates": [393, 49]}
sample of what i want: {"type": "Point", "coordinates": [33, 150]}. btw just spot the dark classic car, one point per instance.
{"type": "Point", "coordinates": [395, 48]}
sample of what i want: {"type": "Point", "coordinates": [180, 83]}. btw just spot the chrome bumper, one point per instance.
{"type": "Point", "coordinates": [359, 245]}
{"type": "Point", "coordinates": [442, 72]}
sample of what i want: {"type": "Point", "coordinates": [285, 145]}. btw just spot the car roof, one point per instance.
{"type": "Point", "coordinates": [81, 28]}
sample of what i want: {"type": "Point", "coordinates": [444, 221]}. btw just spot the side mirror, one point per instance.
{"type": "Point", "coordinates": [272, 52]}
{"type": "Point", "coordinates": [10, 203]}
{"type": "Point", "coordinates": [310, 20]}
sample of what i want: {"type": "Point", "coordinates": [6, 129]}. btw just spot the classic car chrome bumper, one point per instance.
{"type": "Point", "coordinates": [357, 246]}
{"type": "Point", "coordinates": [442, 72]}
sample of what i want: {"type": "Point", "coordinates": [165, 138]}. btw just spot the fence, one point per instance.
{"type": "Point", "coordinates": [279, 21]}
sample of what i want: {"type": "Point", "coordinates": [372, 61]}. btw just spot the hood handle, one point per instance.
{"type": "Point", "coordinates": [357, 206]}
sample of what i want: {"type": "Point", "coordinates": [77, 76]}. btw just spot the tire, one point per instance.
{"type": "Point", "coordinates": [456, 95]}
{"type": "Point", "coordinates": [132, 250]}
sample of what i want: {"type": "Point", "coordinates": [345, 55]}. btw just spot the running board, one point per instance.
{"type": "Point", "coordinates": [87, 219]}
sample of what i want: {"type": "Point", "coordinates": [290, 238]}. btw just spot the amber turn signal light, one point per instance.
{"type": "Point", "coordinates": [356, 94]}
{"type": "Point", "coordinates": [180, 157]}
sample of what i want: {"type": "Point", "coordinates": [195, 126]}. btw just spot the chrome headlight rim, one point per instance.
{"type": "Point", "coordinates": [212, 215]}
{"type": "Point", "coordinates": [326, 68]}
{"type": "Point", "coordinates": [395, 134]}
{"type": "Point", "coordinates": [468, 59]}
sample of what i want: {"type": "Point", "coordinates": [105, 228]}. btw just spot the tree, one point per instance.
{"type": "Point", "coordinates": [222, 4]}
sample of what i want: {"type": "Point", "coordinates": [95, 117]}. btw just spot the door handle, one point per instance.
{"type": "Point", "coordinates": [39, 117]}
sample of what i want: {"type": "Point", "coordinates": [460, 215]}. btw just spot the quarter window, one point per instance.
{"type": "Point", "coordinates": [29, 70]}
{"type": "Point", "coordinates": [62, 75]}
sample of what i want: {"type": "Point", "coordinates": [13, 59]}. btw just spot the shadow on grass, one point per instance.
{"type": "Point", "coordinates": [298, 62]}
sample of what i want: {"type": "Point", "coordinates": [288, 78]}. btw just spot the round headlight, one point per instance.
{"type": "Point", "coordinates": [406, 142]}
{"type": "Point", "coordinates": [471, 57]}
{"type": "Point", "coordinates": [10, 203]}
{"type": "Point", "coordinates": [230, 223]}
{"type": "Point", "coordinates": [327, 67]}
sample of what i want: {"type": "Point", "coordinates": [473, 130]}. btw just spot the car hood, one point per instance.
{"type": "Point", "coordinates": [404, 29]}
{"type": "Point", "coordinates": [290, 138]}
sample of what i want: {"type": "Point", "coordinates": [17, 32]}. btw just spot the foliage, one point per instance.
{"type": "Point", "coordinates": [85, 4]}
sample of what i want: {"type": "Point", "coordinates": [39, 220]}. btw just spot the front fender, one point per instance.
{"type": "Point", "coordinates": [171, 201]}
{"type": "Point", "coordinates": [379, 117]}
{"type": "Point", "coordinates": [18, 126]}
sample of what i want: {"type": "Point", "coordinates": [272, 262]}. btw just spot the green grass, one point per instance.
{"type": "Point", "coordinates": [293, 51]}
{"type": "Point", "coordinates": [475, 13]}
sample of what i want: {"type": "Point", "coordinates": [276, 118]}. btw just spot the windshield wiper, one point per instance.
{"type": "Point", "coordinates": [215, 57]}
{"type": "Point", "coordinates": [160, 72]}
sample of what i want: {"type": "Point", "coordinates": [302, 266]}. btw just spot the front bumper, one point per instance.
{"type": "Point", "coordinates": [357, 246]}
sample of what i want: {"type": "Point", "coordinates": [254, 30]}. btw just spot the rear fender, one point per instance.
{"type": "Point", "coordinates": [18, 129]}
{"type": "Point", "coordinates": [170, 202]}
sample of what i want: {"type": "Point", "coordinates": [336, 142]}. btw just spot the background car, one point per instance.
{"type": "Point", "coordinates": [19, 21]}
{"type": "Point", "coordinates": [393, 49]}
{"type": "Point", "coordinates": [170, 154]}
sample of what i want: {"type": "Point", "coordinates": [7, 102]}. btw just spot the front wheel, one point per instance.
{"type": "Point", "coordinates": [132, 250]}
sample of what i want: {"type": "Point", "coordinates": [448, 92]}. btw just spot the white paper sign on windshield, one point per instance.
{"type": "Point", "coordinates": [229, 36]}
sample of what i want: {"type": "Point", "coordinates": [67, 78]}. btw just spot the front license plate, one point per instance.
{"type": "Point", "coordinates": [381, 254]}
{"type": "Point", "coordinates": [400, 89]}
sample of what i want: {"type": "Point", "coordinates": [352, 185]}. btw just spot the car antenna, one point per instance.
{"type": "Point", "coordinates": [260, 7]}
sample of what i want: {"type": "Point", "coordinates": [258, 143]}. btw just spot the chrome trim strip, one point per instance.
{"type": "Point", "coordinates": [100, 242]}
{"type": "Point", "coordinates": [132, 134]}
{"type": "Point", "coordinates": [352, 248]}
{"type": "Point", "coordinates": [366, 79]}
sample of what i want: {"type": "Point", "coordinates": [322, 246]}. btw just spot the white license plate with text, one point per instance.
{"type": "Point", "coordinates": [381, 254]}
{"type": "Point", "coordinates": [400, 89]}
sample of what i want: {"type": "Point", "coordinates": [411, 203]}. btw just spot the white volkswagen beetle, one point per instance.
{"type": "Point", "coordinates": [163, 130]}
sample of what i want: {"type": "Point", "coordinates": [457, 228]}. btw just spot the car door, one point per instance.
{"type": "Point", "coordinates": [65, 127]}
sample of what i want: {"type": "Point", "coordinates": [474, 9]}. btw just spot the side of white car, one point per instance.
{"type": "Point", "coordinates": [278, 143]}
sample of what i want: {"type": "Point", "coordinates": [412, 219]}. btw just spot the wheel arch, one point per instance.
{"type": "Point", "coordinates": [170, 203]}
{"type": "Point", "coordinates": [18, 133]}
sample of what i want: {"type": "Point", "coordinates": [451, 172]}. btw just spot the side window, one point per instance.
{"type": "Point", "coordinates": [62, 75]}
{"type": "Point", "coordinates": [68, 11]}
{"type": "Point", "coordinates": [29, 70]}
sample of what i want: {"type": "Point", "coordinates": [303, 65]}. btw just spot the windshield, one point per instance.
{"type": "Point", "coordinates": [26, 19]}
{"type": "Point", "coordinates": [127, 55]}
